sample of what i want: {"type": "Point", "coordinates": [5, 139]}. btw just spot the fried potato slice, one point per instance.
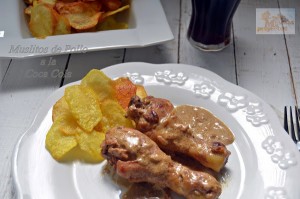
{"type": "Point", "coordinates": [63, 26]}
{"type": "Point", "coordinates": [110, 13]}
{"type": "Point", "coordinates": [28, 9]}
{"type": "Point", "coordinates": [141, 92]}
{"type": "Point", "coordinates": [28, 2]}
{"type": "Point", "coordinates": [84, 106]}
{"type": "Point", "coordinates": [112, 4]}
{"type": "Point", "coordinates": [91, 144]}
{"type": "Point", "coordinates": [110, 23]}
{"type": "Point", "coordinates": [125, 90]}
{"type": "Point", "coordinates": [96, 5]}
{"type": "Point", "coordinates": [84, 21]}
{"type": "Point", "coordinates": [68, 7]}
{"type": "Point", "coordinates": [67, 1]}
{"type": "Point", "coordinates": [85, 112]}
{"type": "Point", "coordinates": [35, 2]}
{"type": "Point", "coordinates": [113, 115]}
{"type": "Point", "coordinates": [69, 125]}
{"type": "Point", "coordinates": [100, 83]}
{"type": "Point", "coordinates": [51, 3]}
{"type": "Point", "coordinates": [57, 142]}
{"type": "Point", "coordinates": [42, 21]}
{"type": "Point", "coordinates": [81, 15]}
{"type": "Point", "coordinates": [99, 127]}
{"type": "Point", "coordinates": [60, 108]}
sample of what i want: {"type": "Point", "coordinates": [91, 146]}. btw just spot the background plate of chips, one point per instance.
{"type": "Point", "coordinates": [16, 40]}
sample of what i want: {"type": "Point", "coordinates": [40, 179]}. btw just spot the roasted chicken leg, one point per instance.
{"type": "Point", "coordinates": [137, 158]}
{"type": "Point", "coordinates": [185, 129]}
{"type": "Point", "coordinates": [147, 112]}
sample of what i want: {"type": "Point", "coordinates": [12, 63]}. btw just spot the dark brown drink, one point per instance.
{"type": "Point", "coordinates": [210, 25]}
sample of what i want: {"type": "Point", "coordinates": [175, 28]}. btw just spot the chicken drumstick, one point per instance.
{"type": "Point", "coordinates": [137, 158]}
{"type": "Point", "coordinates": [188, 130]}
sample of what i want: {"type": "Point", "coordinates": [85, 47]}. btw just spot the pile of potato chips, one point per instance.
{"type": "Point", "coordinates": [85, 113]}
{"type": "Point", "coordinates": [57, 17]}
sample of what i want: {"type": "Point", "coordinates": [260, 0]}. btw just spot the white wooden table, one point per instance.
{"type": "Point", "coordinates": [267, 65]}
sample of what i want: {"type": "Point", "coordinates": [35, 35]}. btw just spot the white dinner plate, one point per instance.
{"type": "Point", "coordinates": [264, 163]}
{"type": "Point", "coordinates": [147, 26]}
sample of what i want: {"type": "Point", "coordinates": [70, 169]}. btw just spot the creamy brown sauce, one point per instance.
{"type": "Point", "coordinates": [122, 182]}
{"type": "Point", "coordinates": [136, 190]}
{"type": "Point", "coordinates": [201, 123]}
{"type": "Point", "coordinates": [195, 132]}
{"type": "Point", "coordinates": [145, 191]}
{"type": "Point", "coordinates": [195, 121]}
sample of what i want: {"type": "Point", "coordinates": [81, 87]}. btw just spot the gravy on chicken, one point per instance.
{"type": "Point", "coordinates": [146, 191]}
{"type": "Point", "coordinates": [202, 123]}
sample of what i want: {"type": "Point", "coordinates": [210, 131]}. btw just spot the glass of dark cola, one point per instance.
{"type": "Point", "coordinates": [210, 25]}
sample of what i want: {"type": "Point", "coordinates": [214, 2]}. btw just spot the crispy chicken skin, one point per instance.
{"type": "Point", "coordinates": [182, 130]}
{"type": "Point", "coordinates": [137, 158]}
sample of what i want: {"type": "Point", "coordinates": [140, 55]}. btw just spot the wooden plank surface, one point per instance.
{"type": "Point", "coordinates": [4, 63]}
{"type": "Point", "coordinates": [262, 62]}
{"type": "Point", "coordinates": [80, 64]}
{"type": "Point", "coordinates": [293, 45]}
{"type": "Point", "coordinates": [26, 85]}
{"type": "Point", "coordinates": [163, 53]}
{"type": "Point", "coordinates": [221, 63]}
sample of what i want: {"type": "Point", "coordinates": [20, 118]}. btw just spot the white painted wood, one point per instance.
{"type": "Point", "coordinates": [21, 95]}
{"type": "Point", "coordinates": [81, 64]}
{"type": "Point", "coordinates": [4, 63]}
{"type": "Point", "coordinates": [293, 44]}
{"type": "Point", "coordinates": [262, 63]}
{"type": "Point", "coordinates": [222, 63]}
{"type": "Point", "coordinates": [163, 53]}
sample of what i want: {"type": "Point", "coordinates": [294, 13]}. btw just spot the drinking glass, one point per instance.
{"type": "Point", "coordinates": [210, 25]}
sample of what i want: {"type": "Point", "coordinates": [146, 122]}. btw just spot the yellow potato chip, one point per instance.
{"type": "Point", "coordinates": [99, 127]}
{"type": "Point", "coordinates": [69, 125]}
{"type": "Point", "coordinates": [84, 106]}
{"type": "Point", "coordinates": [48, 2]}
{"type": "Point", "coordinates": [81, 15]}
{"type": "Point", "coordinates": [100, 83]}
{"type": "Point", "coordinates": [57, 17]}
{"type": "Point", "coordinates": [113, 115]}
{"type": "Point", "coordinates": [83, 21]}
{"type": "Point", "coordinates": [110, 23]}
{"type": "Point", "coordinates": [57, 142]}
{"type": "Point", "coordinates": [84, 114]}
{"type": "Point", "coordinates": [27, 10]}
{"type": "Point", "coordinates": [42, 21]}
{"type": "Point", "coordinates": [112, 4]}
{"type": "Point", "coordinates": [141, 92]}
{"type": "Point", "coordinates": [35, 2]}
{"type": "Point", "coordinates": [61, 107]}
{"type": "Point", "coordinates": [110, 13]}
{"type": "Point", "coordinates": [91, 144]}
{"type": "Point", "coordinates": [96, 5]}
{"type": "Point", "coordinates": [67, 1]}
{"type": "Point", "coordinates": [63, 26]}
{"type": "Point", "coordinates": [105, 124]}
